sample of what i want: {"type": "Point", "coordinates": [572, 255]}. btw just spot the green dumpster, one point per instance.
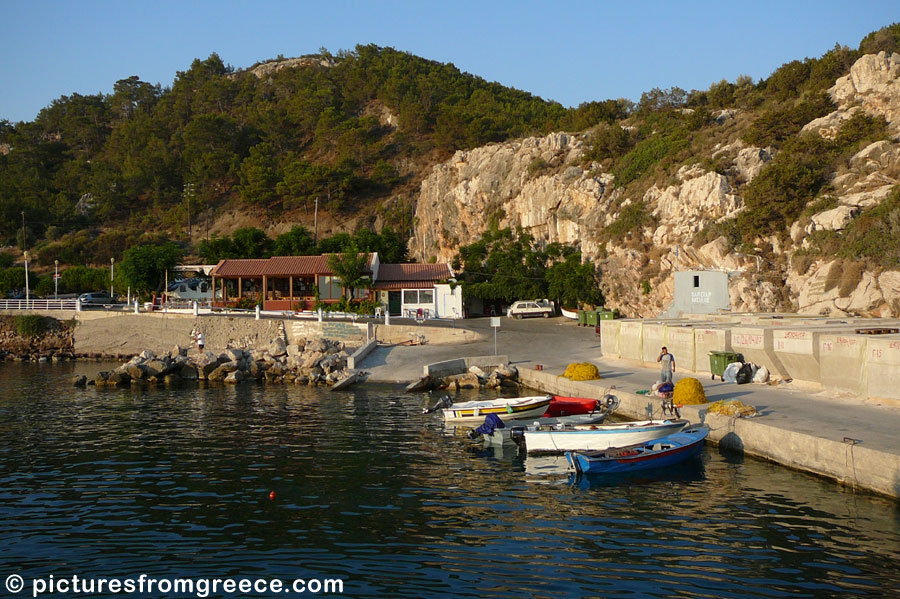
{"type": "Point", "coordinates": [590, 318]}
{"type": "Point", "coordinates": [581, 318]}
{"type": "Point", "coordinates": [605, 315]}
{"type": "Point", "coordinates": [718, 360]}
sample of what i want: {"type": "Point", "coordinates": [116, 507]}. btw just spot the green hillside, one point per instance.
{"type": "Point", "coordinates": [95, 175]}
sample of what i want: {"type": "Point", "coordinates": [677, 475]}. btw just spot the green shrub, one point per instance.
{"type": "Point", "coordinates": [30, 325]}
{"type": "Point", "coordinates": [631, 220]}
{"type": "Point", "coordinates": [646, 154]}
{"type": "Point", "coordinates": [778, 124]}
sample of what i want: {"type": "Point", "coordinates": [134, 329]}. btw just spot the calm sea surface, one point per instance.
{"type": "Point", "coordinates": [176, 483]}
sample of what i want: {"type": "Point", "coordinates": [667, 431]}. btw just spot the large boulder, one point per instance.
{"type": "Point", "coordinates": [234, 377]}
{"type": "Point", "coordinates": [334, 362]}
{"type": "Point", "coordinates": [317, 345]}
{"type": "Point", "coordinates": [189, 372]}
{"type": "Point", "coordinates": [206, 363]}
{"type": "Point", "coordinates": [135, 371]}
{"type": "Point", "coordinates": [277, 347]}
{"type": "Point", "coordinates": [178, 352]}
{"type": "Point", "coordinates": [234, 355]}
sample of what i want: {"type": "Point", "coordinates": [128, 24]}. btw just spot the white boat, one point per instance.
{"type": "Point", "coordinates": [573, 314]}
{"type": "Point", "coordinates": [503, 436]}
{"type": "Point", "coordinates": [506, 408]}
{"type": "Point", "coordinates": [587, 437]}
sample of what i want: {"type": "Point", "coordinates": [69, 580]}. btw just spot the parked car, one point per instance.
{"type": "Point", "coordinates": [523, 309]}
{"type": "Point", "coordinates": [99, 298]}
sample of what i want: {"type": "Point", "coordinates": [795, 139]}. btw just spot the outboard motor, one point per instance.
{"type": "Point", "coordinates": [517, 436]}
{"type": "Point", "coordinates": [443, 403]}
{"type": "Point", "coordinates": [491, 423]}
{"type": "Point", "coordinates": [611, 402]}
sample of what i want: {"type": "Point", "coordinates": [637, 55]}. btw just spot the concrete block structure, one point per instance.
{"type": "Point", "coordinates": [756, 345]}
{"type": "Point", "coordinates": [842, 362]}
{"type": "Point", "coordinates": [631, 340]}
{"type": "Point", "coordinates": [680, 341]}
{"type": "Point", "coordinates": [883, 367]}
{"type": "Point", "coordinates": [653, 338]}
{"type": "Point", "coordinates": [609, 338]}
{"type": "Point", "coordinates": [709, 339]}
{"type": "Point", "coordinates": [798, 351]}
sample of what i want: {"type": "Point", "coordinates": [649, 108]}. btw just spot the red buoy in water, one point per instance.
{"type": "Point", "coordinates": [271, 494]}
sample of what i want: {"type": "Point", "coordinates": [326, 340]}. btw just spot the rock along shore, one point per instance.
{"type": "Point", "coordinates": [311, 362]}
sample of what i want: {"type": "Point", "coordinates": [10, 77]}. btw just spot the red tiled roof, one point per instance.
{"type": "Point", "coordinates": [279, 266]}
{"type": "Point", "coordinates": [430, 273]}
{"type": "Point", "coordinates": [232, 267]}
{"type": "Point", "coordinates": [398, 285]}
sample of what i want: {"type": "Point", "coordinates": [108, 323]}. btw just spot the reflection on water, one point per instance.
{"type": "Point", "coordinates": [176, 482]}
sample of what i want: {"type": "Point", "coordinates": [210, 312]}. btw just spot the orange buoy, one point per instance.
{"type": "Point", "coordinates": [271, 494]}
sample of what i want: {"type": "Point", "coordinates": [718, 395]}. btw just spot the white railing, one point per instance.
{"type": "Point", "coordinates": [38, 304]}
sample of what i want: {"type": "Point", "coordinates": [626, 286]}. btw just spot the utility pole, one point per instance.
{"type": "Point", "coordinates": [315, 221]}
{"type": "Point", "coordinates": [24, 245]}
{"type": "Point", "coordinates": [188, 192]}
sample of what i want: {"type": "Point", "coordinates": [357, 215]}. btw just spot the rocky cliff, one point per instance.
{"type": "Point", "coordinates": [545, 186]}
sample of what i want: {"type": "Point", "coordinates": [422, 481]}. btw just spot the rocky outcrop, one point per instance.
{"type": "Point", "coordinates": [54, 342]}
{"type": "Point", "coordinates": [545, 186]}
{"type": "Point", "coordinates": [874, 85]}
{"type": "Point", "coordinates": [261, 71]}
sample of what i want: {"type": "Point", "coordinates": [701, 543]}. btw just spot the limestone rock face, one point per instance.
{"type": "Point", "coordinates": [874, 84]}
{"type": "Point", "coordinates": [545, 186]}
{"type": "Point", "coordinates": [750, 161]}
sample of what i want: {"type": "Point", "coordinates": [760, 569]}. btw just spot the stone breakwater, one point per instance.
{"type": "Point", "coordinates": [55, 342]}
{"type": "Point", "coordinates": [308, 362]}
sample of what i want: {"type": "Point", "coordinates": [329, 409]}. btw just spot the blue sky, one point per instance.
{"type": "Point", "coordinates": [570, 52]}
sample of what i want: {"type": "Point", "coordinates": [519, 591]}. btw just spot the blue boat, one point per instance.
{"type": "Point", "coordinates": [659, 453]}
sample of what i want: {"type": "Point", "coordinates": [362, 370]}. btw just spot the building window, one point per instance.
{"type": "Point", "coordinates": [696, 280]}
{"type": "Point", "coordinates": [418, 297]}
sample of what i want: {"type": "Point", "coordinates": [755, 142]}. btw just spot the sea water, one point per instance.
{"type": "Point", "coordinates": [295, 483]}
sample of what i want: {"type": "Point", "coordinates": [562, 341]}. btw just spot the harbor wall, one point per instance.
{"type": "Point", "coordinates": [709, 339]}
{"type": "Point", "coordinates": [631, 340]}
{"type": "Point", "coordinates": [798, 352]}
{"type": "Point", "coordinates": [680, 343]}
{"type": "Point", "coordinates": [756, 345]}
{"type": "Point", "coordinates": [653, 338]}
{"type": "Point", "coordinates": [842, 362]}
{"type": "Point", "coordinates": [883, 367]}
{"type": "Point", "coordinates": [609, 338]}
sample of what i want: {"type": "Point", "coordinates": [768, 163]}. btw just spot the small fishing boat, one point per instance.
{"type": "Point", "coordinates": [659, 453]}
{"type": "Point", "coordinates": [506, 408]}
{"type": "Point", "coordinates": [591, 437]}
{"type": "Point", "coordinates": [496, 432]}
{"type": "Point", "coordinates": [573, 314]}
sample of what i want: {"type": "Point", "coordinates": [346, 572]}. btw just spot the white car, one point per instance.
{"type": "Point", "coordinates": [527, 308]}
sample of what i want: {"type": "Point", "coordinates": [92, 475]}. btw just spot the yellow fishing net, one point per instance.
{"type": "Point", "coordinates": [733, 407]}
{"type": "Point", "coordinates": [582, 371]}
{"type": "Point", "coordinates": [689, 391]}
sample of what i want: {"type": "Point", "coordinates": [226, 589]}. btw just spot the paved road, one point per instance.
{"type": "Point", "coordinates": [556, 342]}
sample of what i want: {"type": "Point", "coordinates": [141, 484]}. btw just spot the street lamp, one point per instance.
{"type": "Point", "coordinates": [27, 295]}
{"type": "Point", "coordinates": [112, 269]}
{"type": "Point", "coordinates": [56, 280]}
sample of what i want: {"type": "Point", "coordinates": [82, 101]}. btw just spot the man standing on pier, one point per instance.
{"type": "Point", "coordinates": [667, 364]}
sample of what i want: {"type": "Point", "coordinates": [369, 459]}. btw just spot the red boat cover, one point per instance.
{"type": "Point", "coordinates": [570, 406]}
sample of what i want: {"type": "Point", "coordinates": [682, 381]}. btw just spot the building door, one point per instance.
{"type": "Point", "coordinates": [394, 303]}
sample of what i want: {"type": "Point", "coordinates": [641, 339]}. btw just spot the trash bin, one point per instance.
{"type": "Point", "coordinates": [590, 318]}
{"type": "Point", "coordinates": [581, 318]}
{"type": "Point", "coordinates": [718, 360]}
{"type": "Point", "coordinates": [605, 315]}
